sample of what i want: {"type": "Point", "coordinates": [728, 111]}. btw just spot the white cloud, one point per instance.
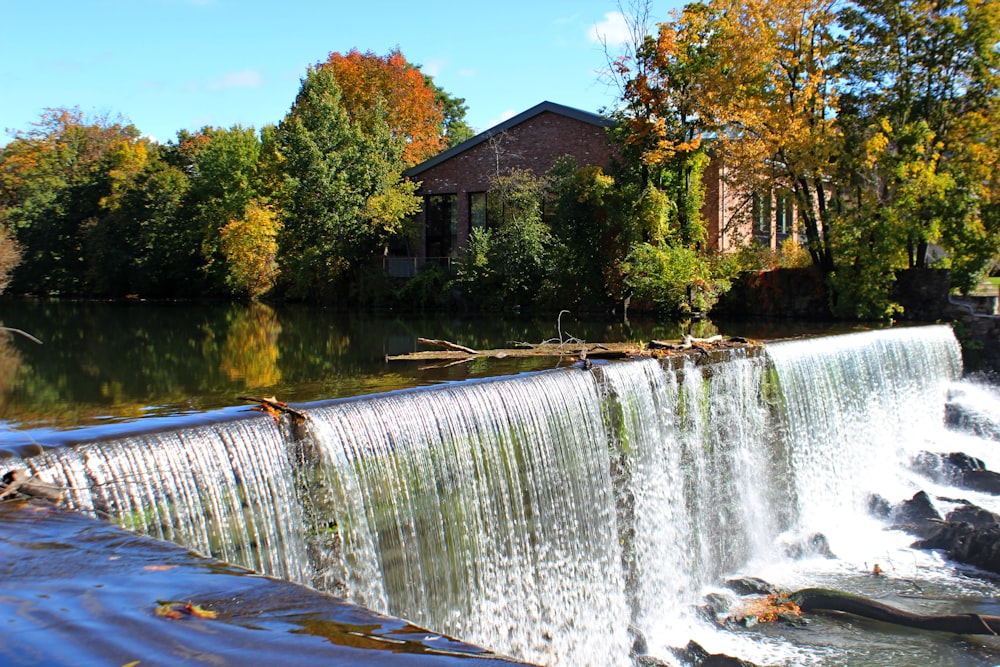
{"type": "Point", "coordinates": [613, 30]}
{"type": "Point", "coordinates": [248, 78]}
{"type": "Point", "coordinates": [467, 72]}
{"type": "Point", "coordinates": [433, 67]}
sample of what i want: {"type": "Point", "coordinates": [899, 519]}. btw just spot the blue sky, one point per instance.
{"type": "Point", "coordinates": [168, 65]}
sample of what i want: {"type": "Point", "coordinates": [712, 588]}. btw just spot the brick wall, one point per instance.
{"type": "Point", "coordinates": [535, 144]}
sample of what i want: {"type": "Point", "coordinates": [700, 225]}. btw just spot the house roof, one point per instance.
{"type": "Point", "coordinates": [538, 109]}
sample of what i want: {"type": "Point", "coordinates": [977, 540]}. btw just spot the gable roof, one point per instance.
{"type": "Point", "coordinates": [538, 109]}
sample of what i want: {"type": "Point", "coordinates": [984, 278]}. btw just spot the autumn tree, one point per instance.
{"type": "Point", "coordinates": [343, 195]}
{"type": "Point", "coordinates": [665, 118]}
{"type": "Point", "coordinates": [53, 180]}
{"type": "Point", "coordinates": [387, 89]}
{"type": "Point", "coordinates": [250, 247]}
{"type": "Point", "coordinates": [921, 84]}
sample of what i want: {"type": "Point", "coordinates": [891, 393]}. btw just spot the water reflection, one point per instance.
{"type": "Point", "coordinates": [108, 362]}
{"type": "Point", "coordinates": [83, 592]}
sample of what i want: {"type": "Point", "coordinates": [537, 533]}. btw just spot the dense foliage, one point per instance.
{"type": "Point", "coordinates": [878, 117]}
{"type": "Point", "coordinates": [89, 207]}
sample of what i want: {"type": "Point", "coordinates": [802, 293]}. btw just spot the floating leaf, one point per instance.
{"type": "Point", "coordinates": [179, 610]}
{"type": "Point", "coordinates": [159, 568]}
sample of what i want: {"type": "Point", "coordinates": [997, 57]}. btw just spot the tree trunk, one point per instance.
{"type": "Point", "coordinates": [820, 599]}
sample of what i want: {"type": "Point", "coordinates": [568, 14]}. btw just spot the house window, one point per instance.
{"type": "Point", "coordinates": [477, 210]}
{"type": "Point", "coordinates": [441, 225]}
{"type": "Point", "coordinates": [785, 213]}
{"type": "Point", "coordinates": [761, 205]}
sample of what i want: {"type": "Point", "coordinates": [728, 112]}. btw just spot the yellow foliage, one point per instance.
{"type": "Point", "coordinates": [250, 352]}
{"type": "Point", "coordinates": [250, 245]}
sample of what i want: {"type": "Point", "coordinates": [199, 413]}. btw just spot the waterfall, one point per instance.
{"type": "Point", "coordinates": [224, 490]}
{"type": "Point", "coordinates": [556, 516]}
{"type": "Point", "coordinates": [490, 511]}
{"type": "Point", "coordinates": [853, 403]}
{"type": "Point", "coordinates": [695, 449]}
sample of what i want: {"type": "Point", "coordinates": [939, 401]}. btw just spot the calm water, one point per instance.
{"type": "Point", "coordinates": [109, 363]}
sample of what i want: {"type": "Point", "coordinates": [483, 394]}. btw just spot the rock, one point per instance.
{"type": "Point", "coordinates": [751, 586]}
{"type": "Point", "coordinates": [960, 412]}
{"type": "Point", "coordinates": [811, 545]}
{"type": "Point", "coordinates": [958, 469]}
{"type": "Point", "coordinates": [879, 507]}
{"type": "Point", "coordinates": [974, 515]}
{"type": "Point", "coordinates": [639, 644]}
{"type": "Point", "coordinates": [694, 655]}
{"type": "Point", "coordinates": [917, 516]}
{"type": "Point", "coordinates": [984, 481]}
{"type": "Point", "coordinates": [962, 542]}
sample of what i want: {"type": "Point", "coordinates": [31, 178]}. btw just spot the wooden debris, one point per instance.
{"type": "Point", "coordinates": [447, 345]}
{"type": "Point", "coordinates": [274, 407]}
{"type": "Point", "coordinates": [21, 483]}
{"type": "Point", "coordinates": [823, 600]}
{"type": "Point", "coordinates": [21, 332]}
{"type": "Point", "coordinates": [452, 353]}
{"type": "Point", "coordinates": [176, 611]}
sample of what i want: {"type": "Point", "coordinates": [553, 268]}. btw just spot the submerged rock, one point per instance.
{"type": "Point", "coordinates": [879, 507]}
{"type": "Point", "coordinates": [694, 655]}
{"type": "Point", "coordinates": [810, 545]}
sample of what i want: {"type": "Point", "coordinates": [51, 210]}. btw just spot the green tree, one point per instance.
{"type": "Point", "coordinates": [225, 179]}
{"type": "Point", "coordinates": [589, 241]}
{"type": "Point", "coordinates": [922, 82]}
{"type": "Point", "coordinates": [343, 194]}
{"type": "Point", "coordinates": [53, 180]}
{"type": "Point", "coordinates": [510, 263]}
{"type": "Point", "coordinates": [676, 280]}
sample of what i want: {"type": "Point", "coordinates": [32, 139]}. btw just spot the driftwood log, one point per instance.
{"type": "Point", "coordinates": [821, 599]}
{"type": "Point", "coordinates": [20, 483]}
{"type": "Point", "coordinates": [573, 350]}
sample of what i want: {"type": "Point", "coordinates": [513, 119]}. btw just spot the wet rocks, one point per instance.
{"type": "Point", "coordinates": [917, 516]}
{"type": "Point", "coordinates": [694, 655]}
{"type": "Point", "coordinates": [957, 469]}
{"type": "Point", "coordinates": [965, 543]}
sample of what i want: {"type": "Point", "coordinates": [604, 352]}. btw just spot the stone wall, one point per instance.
{"type": "Point", "coordinates": [925, 295]}
{"type": "Point", "coordinates": [780, 293]}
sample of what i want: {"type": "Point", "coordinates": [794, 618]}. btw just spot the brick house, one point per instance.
{"type": "Point", "coordinates": [734, 217]}
{"type": "Point", "coordinates": [454, 184]}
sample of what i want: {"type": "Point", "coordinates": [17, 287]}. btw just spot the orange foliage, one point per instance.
{"type": "Point", "coordinates": [180, 610]}
{"type": "Point", "coordinates": [369, 82]}
{"type": "Point", "coordinates": [769, 609]}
